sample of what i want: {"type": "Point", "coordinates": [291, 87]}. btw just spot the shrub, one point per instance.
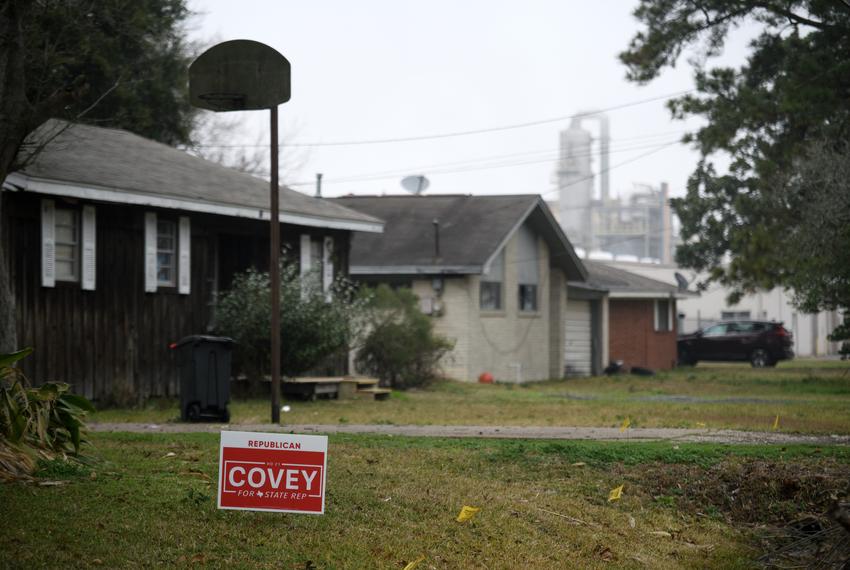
{"type": "Point", "coordinates": [400, 348]}
{"type": "Point", "coordinates": [36, 423]}
{"type": "Point", "coordinates": [312, 327]}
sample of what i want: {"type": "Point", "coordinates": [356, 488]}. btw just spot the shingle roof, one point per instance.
{"type": "Point", "coordinates": [471, 228]}
{"type": "Point", "coordinates": [613, 280]}
{"type": "Point", "coordinates": [121, 161]}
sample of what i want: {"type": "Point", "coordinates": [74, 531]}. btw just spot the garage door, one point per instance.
{"type": "Point", "coordinates": [578, 352]}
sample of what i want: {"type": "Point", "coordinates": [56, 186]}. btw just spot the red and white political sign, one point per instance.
{"type": "Point", "coordinates": [272, 472]}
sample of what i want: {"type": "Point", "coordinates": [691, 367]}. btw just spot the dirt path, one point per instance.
{"type": "Point", "coordinates": [509, 432]}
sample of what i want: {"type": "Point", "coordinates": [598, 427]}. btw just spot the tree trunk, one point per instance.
{"type": "Point", "coordinates": [8, 332]}
{"type": "Point", "coordinates": [15, 125]}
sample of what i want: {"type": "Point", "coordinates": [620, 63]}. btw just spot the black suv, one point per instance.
{"type": "Point", "coordinates": [759, 342]}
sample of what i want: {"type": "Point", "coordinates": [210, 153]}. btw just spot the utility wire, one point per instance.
{"type": "Point", "coordinates": [462, 133]}
{"type": "Point", "coordinates": [470, 165]}
{"type": "Point", "coordinates": [395, 174]}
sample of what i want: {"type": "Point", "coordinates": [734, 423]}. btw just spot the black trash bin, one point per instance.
{"type": "Point", "coordinates": [204, 363]}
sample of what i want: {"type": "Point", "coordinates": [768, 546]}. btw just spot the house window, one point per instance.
{"type": "Point", "coordinates": [662, 316]}
{"type": "Point", "coordinates": [735, 315]}
{"type": "Point", "coordinates": [166, 253]}
{"type": "Point", "coordinates": [490, 294]}
{"type": "Point", "coordinates": [527, 297]}
{"type": "Point", "coordinates": [528, 269]}
{"type": "Point", "coordinates": [67, 244]}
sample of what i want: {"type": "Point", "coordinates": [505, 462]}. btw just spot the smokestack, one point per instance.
{"type": "Point", "coordinates": [318, 185]}
{"type": "Point", "coordinates": [604, 144]}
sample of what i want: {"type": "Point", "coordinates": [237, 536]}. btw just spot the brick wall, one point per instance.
{"type": "Point", "coordinates": [632, 337]}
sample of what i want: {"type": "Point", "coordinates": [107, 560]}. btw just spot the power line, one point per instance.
{"type": "Point", "coordinates": [470, 165]}
{"type": "Point", "coordinates": [461, 133]}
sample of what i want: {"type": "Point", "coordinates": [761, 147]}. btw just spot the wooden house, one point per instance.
{"type": "Point", "coordinates": [117, 245]}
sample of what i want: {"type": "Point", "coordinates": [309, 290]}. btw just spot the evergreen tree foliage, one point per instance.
{"type": "Point", "coordinates": [787, 108]}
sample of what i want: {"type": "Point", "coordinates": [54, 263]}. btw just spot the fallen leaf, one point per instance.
{"type": "Point", "coordinates": [579, 464]}
{"type": "Point", "coordinates": [632, 521]}
{"type": "Point", "coordinates": [51, 483]}
{"type": "Point", "coordinates": [415, 563]}
{"type": "Point", "coordinates": [199, 558]}
{"type": "Point", "coordinates": [663, 533]}
{"type": "Point", "coordinates": [97, 561]}
{"type": "Point", "coordinates": [466, 513]}
{"type": "Point", "coordinates": [615, 494]}
{"type": "Point", "coordinates": [169, 454]}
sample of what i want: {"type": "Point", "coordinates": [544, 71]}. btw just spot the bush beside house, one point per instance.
{"type": "Point", "coordinates": [401, 348]}
{"type": "Point", "coordinates": [314, 325]}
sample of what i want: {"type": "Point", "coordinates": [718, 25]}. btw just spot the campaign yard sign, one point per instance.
{"type": "Point", "coordinates": [272, 472]}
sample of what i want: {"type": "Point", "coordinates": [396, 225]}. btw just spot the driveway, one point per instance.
{"type": "Point", "coordinates": [505, 432]}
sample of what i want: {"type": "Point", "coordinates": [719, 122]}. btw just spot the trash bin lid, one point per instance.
{"type": "Point", "coordinates": [199, 338]}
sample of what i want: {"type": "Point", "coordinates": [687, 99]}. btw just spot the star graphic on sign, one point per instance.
{"type": "Point", "coordinates": [259, 493]}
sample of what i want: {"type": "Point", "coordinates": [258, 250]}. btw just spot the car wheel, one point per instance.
{"type": "Point", "coordinates": [759, 358]}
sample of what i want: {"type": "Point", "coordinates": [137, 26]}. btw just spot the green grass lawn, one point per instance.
{"type": "Point", "coordinates": [149, 500]}
{"type": "Point", "coordinates": [809, 396]}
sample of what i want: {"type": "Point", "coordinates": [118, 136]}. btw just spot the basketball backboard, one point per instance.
{"type": "Point", "coordinates": [239, 75]}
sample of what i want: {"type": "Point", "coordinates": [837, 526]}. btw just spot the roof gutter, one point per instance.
{"type": "Point", "coordinates": [17, 180]}
{"type": "Point", "coordinates": [414, 269]}
{"type": "Point", "coordinates": [649, 295]}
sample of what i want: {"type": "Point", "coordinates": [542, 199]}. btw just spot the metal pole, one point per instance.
{"type": "Point", "coordinates": [274, 272]}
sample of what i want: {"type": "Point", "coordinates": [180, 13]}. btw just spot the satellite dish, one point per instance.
{"type": "Point", "coordinates": [416, 184]}
{"type": "Point", "coordinates": [239, 75]}
{"type": "Point", "coordinates": [681, 281]}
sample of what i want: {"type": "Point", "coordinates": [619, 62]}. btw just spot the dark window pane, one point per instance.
{"type": "Point", "coordinates": [491, 296]}
{"type": "Point", "coordinates": [528, 297]}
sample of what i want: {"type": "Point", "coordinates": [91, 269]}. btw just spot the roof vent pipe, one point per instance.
{"type": "Point", "coordinates": [318, 185]}
{"type": "Point", "coordinates": [436, 223]}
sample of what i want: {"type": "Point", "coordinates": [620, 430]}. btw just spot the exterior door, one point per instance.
{"type": "Point", "coordinates": [578, 350]}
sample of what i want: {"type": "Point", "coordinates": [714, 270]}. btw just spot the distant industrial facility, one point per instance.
{"type": "Point", "coordinates": [638, 227]}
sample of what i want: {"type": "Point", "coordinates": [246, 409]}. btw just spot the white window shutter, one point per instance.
{"type": "Point", "coordinates": [327, 266]}
{"type": "Point", "coordinates": [89, 269]}
{"type": "Point", "coordinates": [150, 252]}
{"type": "Point", "coordinates": [48, 243]}
{"type": "Point", "coordinates": [655, 315]}
{"type": "Point", "coordinates": [184, 269]}
{"type": "Point", "coordinates": [306, 262]}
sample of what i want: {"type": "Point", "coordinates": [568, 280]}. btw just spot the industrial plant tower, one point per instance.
{"type": "Point", "coordinates": [639, 227]}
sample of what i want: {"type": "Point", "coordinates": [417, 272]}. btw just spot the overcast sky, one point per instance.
{"type": "Point", "coordinates": [384, 69]}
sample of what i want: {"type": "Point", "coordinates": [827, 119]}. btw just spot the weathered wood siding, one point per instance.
{"type": "Point", "coordinates": [113, 343]}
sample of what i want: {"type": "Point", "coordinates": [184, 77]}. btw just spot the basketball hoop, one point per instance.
{"type": "Point", "coordinates": [223, 101]}
{"type": "Point", "coordinates": [244, 75]}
